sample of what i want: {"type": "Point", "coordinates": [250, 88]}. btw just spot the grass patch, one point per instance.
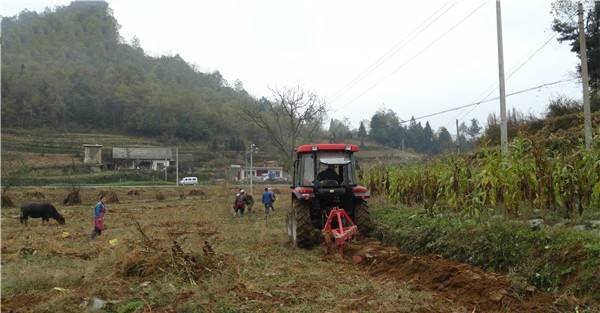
{"type": "Point", "coordinates": [550, 258]}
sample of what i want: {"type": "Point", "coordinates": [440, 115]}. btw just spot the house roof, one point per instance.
{"type": "Point", "coordinates": [143, 153]}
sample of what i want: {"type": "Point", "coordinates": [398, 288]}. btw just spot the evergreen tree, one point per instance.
{"type": "Point", "coordinates": [444, 141]}
{"type": "Point", "coordinates": [474, 129]}
{"type": "Point", "coordinates": [362, 133]}
{"type": "Point", "coordinates": [428, 139]}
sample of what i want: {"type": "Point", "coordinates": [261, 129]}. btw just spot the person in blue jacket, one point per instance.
{"type": "Point", "coordinates": [268, 197]}
{"type": "Point", "coordinates": [99, 212]}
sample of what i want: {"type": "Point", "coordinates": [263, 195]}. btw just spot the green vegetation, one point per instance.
{"type": "Point", "coordinates": [530, 177]}
{"type": "Point", "coordinates": [548, 258]}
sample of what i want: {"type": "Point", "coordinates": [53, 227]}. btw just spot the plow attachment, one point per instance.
{"type": "Point", "coordinates": [339, 228]}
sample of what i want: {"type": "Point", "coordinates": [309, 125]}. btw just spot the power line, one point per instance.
{"type": "Point", "coordinates": [418, 53]}
{"type": "Point", "coordinates": [523, 63]}
{"type": "Point", "coordinates": [395, 49]}
{"type": "Point", "coordinates": [488, 100]}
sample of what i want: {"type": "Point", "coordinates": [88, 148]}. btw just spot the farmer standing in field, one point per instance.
{"type": "Point", "coordinates": [239, 204]}
{"type": "Point", "coordinates": [273, 197]}
{"type": "Point", "coordinates": [268, 199]}
{"type": "Point", "coordinates": [99, 212]}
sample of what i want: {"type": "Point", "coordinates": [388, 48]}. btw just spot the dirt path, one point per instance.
{"type": "Point", "coordinates": [258, 270]}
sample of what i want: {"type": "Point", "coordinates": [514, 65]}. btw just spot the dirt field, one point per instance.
{"type": "Point", "coordinates": [192, 255]}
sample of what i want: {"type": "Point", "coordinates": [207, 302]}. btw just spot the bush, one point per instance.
{"type": "Point", "coordinates": [563, 106]}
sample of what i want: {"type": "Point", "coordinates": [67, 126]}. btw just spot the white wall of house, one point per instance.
{"type": "Point", "coordinates": [159, 163]}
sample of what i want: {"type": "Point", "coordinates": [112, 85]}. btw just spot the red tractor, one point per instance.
{"type": "Point", "coordinates": [327, 202]}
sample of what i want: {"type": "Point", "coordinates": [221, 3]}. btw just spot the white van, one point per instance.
{"type": "Point", "coordinates": [189, 181]}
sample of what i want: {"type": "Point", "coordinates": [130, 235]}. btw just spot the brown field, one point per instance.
{"type": "Point", "coordinates": [189, 254]}
{"type": "Point", "coordinates": [33, 160]}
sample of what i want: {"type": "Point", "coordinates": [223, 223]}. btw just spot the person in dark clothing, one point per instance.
{"type": "Point", "coordinates": [328, 174]}
{"type": "Point", "coordinates": [273, 197]}
{"type": "Point", "coordinates": [239, 204]}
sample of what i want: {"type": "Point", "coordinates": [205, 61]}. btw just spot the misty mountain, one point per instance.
{"type": "Point", "coordinates": [69, 69]}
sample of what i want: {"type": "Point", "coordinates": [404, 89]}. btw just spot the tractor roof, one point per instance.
{"type": "Point", "coordinates": [327, 147]}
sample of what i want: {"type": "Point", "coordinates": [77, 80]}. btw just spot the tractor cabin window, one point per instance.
{"type": "Point", "coordinates": [341, 163]}
{"type": "Point", "coordinates": [307, 169]}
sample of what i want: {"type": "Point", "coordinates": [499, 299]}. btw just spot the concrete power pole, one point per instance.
{"type": "Point", "coordinates": [176, 166]}
{"type": "Point", "coordinates": [166, 162]}
{"type": "Point", "coordinates": [457, 138]}
{"type": "Point", "coordinates": [251, 167]}
{"type": "Point", "coordinates": [587, 115]}
{"type": "Point", "coordinates": [503, 126]}
{"type": "Point", "coordinates": [253, 148]}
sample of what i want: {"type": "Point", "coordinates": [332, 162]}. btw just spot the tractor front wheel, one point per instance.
{"type": "Point", "coordinates": [362, 219]}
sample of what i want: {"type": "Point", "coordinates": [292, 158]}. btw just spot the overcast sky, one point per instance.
{"type": "Point", "coordinates": [325, 45]}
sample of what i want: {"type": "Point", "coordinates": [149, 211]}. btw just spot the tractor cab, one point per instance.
{"type": "Point", "coordinates": [325, 179]}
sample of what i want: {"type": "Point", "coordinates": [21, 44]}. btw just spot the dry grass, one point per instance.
{"type": "Point", "coordinates": [35, 160]}
{"type": "Point", "coordinates": [253, 268]}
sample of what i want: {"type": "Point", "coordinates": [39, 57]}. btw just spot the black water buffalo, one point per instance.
{"type": "Point", "coordinates": [44, 210]}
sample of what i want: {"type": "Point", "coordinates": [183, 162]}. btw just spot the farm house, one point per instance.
{"type": "Point", "coordinates": [153, 158]}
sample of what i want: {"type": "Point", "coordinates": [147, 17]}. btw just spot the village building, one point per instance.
{"type": "Point", "coordinates": [269, 170]}
{"type": "Point", "coordinates": [154, 158]}
{"type": "Point", "coordinates": [92, 154]}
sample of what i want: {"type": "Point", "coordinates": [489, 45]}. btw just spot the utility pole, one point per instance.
{"type": "Point", "coordinates": [503, 126]}
{"type": "Point", "coordinates": [587, 115]}
{"type": "Point", "coordinates": [252, 150]}
{"type": "Point", "coordinates": [176, 166]}
{"type": "Point", "coordinates": [457, 138]}
{"type": "Point", "coordinates": [402, 142]}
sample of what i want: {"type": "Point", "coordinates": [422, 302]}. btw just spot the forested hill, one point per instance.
{"type": "Point", "coordinates": [69, 69]}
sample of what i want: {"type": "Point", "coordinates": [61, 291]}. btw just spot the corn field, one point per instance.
{"type": "Point", "coordinates": [530, 177]}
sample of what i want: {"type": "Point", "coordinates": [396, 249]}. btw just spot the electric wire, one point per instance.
{"type": "Point", "coordinates": [395, 49]}
{"type": "Point", "coordinates": [418, 53]}
{"type": "Point", "coordinates": [523, 63]}
{"type": "Point", "coordinates": [488, 100]}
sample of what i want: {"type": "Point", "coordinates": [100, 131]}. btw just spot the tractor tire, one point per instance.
{"type": "Point", "coordinates": [362, 219]}
{"type": "Point", "coordinates": [301, 230]}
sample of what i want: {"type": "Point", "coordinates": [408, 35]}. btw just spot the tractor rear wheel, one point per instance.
{"type": "Point", "coordinates": [362, 219]}
{"type": "Point", "coordinates": [300, 228]}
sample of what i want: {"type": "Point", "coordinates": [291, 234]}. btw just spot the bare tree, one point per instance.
{"type": "Point", "coordinates": [291, 115]}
